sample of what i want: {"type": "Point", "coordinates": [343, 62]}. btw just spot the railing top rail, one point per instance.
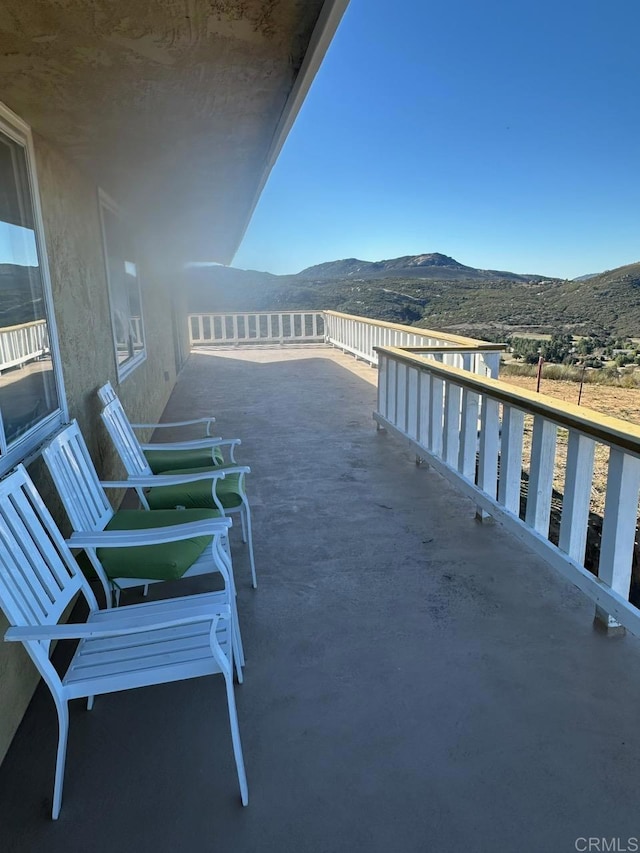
{"type": "Point", "coordinates": [23, 325]}
{"type": "Point", "coordinates": [261, 313]}
{"type": "Point", "coordinates": [415, 330]}
{"type": "Point", "coordinates": [454, 349]}
{"type": "Point", "coordinates": [604, 428]}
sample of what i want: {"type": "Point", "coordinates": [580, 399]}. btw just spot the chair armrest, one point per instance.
{"type": "Point", "coordinates": [120, 627]}
{"type": "Point", "coordinates": [149, 536]}
{"type": "Point", "coordinates": [233, 469]}
{"type": "Point", "coordinates": [193, 422]}
{"type": "Point", "coordinates": [152, 481]}
{"type": "Point", "coordinates": [195, 444]}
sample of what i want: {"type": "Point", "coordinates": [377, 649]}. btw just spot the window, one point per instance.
{"type": "Point", "coordinates": [31, 390]}
{"type": "Point", "coordinates": [124, 289]}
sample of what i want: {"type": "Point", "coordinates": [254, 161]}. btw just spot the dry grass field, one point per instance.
{"type": "Point", "coordinates": [617, 402]}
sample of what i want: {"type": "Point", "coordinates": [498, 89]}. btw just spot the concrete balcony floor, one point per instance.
{"type": "Point", "coordinates": [415, 681]}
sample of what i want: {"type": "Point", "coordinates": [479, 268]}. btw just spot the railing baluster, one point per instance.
{"type": "Point", "coordinates": [469, 435]}
{"type": "Point", "coordinates": [424, 408]}
{"type": "Point", "coordinates": [543, 454]}
{"type": "Point", "coordinates": [392, 368]}
{"type": "Point", "coordinates": [436, 405]}
{"type": "Point", "coordinates": [383, 367]}
{"type": "Point", "coordinates": [488, 448]}
{"type": "Point", "coordinates": [452, 423]}
{"type": "Point", "coordinates": [401, 407]}
{"type": "Point", "coordinates": [619, 526]}
{"type": "Point", "coordinates": [577, 494]}
{"type": "Point", "coordinates": [510, 482]}
{"type": "Point", "coordinates": [413, 402]}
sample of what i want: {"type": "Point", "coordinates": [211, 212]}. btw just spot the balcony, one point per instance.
{"type": "Point", "coordinates": [415, 680]}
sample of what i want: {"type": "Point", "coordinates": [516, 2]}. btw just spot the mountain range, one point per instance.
{"type": "Point", "coordinates": [433, 291]}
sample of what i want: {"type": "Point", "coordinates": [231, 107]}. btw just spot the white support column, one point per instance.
{"type": "Point", "coordinates": [511, 458]}
{"type": "Point", "coordinates": [577, 493]}
{"type": "Point", "coordinates": [619, 527]}
{"type": "Point", "coordinates": [469, 435]}
{"type": "Point", "coordinates": [543, 456]}
{"type": "Point", "coordinates": [488, 450]}
{"type": "Point", "coordinates": [453, 394]}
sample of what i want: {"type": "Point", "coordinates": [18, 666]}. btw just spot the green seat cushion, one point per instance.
{"type": "Point", "coordinates": [197, 494]}
{"type": "Point", "coordinates": [168, 561]}
{"type": "Point", "coordinates": [168, 460]}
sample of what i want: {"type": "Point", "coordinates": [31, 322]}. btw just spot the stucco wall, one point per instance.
{"type": "Point", "coordinates": [74, 244]}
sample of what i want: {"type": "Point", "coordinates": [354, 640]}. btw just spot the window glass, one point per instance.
{"type": "Point", "coordinates": [124, 288]}
{"type": "Point", "coordinates": [28, 391]}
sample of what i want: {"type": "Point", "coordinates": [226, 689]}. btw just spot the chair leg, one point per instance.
{"type": "Point", "coordinates": [235, 739]}
{"type": "Point", "coordinates": [63, 732]}
{"type": "Point", "coordinates": [236, 639]}
{"type": "Point", "coordinates": [243, 523]}
{"type": "Point", "coordinates": [225, 558]}
{"type": "Point", "coordinates": [145, 591]}
{"type": "Point", "coordinates": [247, 517]}
{"type": "Point", "coordinates": [90, 700]}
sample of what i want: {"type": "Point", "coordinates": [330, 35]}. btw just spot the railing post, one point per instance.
{"type": "Point", "coordinates": [619, 528]}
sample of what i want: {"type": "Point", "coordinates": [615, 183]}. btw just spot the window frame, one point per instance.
{"type": "Point", "coordinates": [27, 446]}
{"type": "Point", "coordinates": [127, 367]}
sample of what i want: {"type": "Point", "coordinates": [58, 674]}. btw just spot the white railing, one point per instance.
{"type": "Point", "coordinates": [357, 335]}
{"type": "Point", "coordinates": [471, 429]}
{"type": "Point", "coordinates": [23, 343]}
{"type": "Point", "coordinates": [361, 336]}
{"type": "Point", "coordinates": [256, 328]}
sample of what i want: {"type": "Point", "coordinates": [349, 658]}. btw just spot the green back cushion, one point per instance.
{"type": "Point", "coordinates": [197, 494]}
{"type": "Point", "coordinates": [168, 561]}
{"type": "Point", "coordinates": [168, 460]}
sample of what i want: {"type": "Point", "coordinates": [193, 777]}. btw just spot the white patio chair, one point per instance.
{"type": "Point", "coordinates": [97, 526]}
{"type": "Point", "coordinates": [150, 643]}
{"type": "Point", "coordinates": [164, 455]}
{"type": "Point", "coordinates": [107, 394]}
{"type": "Point", "coordinates": [229, 495]}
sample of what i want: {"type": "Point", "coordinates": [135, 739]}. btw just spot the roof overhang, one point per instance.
{"type": "Point", "coordinates": [178, 109]}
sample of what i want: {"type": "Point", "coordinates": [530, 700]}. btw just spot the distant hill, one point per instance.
{"type": "Point", "coordinates": [433, 291]}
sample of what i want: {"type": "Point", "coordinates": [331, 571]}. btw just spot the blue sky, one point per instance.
{"type": "Point", "coordinates": [504, 134]}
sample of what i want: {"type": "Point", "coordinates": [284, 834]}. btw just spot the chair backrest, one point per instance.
{"type": "Point", "coordinates": [39, 576]}
{"type": "Point", "coordinates": [76, 480]}
{"type": "Point", "coordinates": [117, 423]}
{"type": "Point", "coordinates": [106, 394]}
